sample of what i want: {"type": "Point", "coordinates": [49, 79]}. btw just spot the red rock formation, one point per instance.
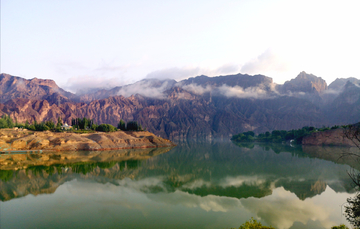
{"type": "Point", "coordinates": [334, 137]}
{"type": "Point", "coordinates": [12, 87]}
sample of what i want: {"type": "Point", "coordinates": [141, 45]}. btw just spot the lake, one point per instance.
{"type": "Point", "coordinates": [194, 185]}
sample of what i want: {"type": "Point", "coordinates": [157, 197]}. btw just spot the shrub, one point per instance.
{"type": "Point", "coordinates": [106, 128]}
{"type": "Point", "coordinates": [342, 226]}
{"type": "Point", "coordinates": [253, 224]}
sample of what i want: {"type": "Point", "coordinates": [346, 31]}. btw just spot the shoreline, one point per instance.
{"type": "Point", "coordinates": [16, 140]}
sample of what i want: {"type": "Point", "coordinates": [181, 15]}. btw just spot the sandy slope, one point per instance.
{"type": "Point", "coordinates": [11, 139]}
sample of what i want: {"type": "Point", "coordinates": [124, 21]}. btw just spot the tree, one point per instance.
{"type": "Point", "coordinates": [134, 126]}
{"type": "Point", "coordinates": [27, 124]}
{"type": "Point", "coordinates": [106, 128]}
{"type": "Point", "coordinates": [50, 124]}
{"type": "Point", "coordinates": [59, 123]}
{"type": "Point", "coordinates": [122, 125]}
{"type": "Point", "coordinates": [6, 122]}
{"type": "Point", "coordinates": [352, 210]}
{"type": "Point", "coordinates": [253, 224]}
{"type": "Point", "coordinates": [341, 226]}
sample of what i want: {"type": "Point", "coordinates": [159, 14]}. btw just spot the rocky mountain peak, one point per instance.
{"type": "Point", "coordinates": [339, 83]}
{"type": "Point", "coordinates": [45, 82]}
{"type": "Point", "coordinates": [305, 82]}
{"type": "Point", "coordinates": [12, 87]}
{"type": "Point", "coordinates": [241, 80]}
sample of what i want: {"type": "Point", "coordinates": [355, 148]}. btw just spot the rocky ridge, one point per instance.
{"type": "Point", "coordinates": [200, 107]}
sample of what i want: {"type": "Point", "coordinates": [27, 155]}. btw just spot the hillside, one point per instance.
{"type": "Point", "coordinates": [200, 107]}
{"type": "Point", "coordinates": [14, 140]}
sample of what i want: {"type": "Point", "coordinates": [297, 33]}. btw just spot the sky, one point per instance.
{"type": "Point", "coordinates": [92, 43]}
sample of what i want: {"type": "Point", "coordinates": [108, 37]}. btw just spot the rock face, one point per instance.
{"type": "Point", "coordinates": [12, 140]}
{"type": "Point", "coordinates": [304, 82]}
{"type": "Point", "coordinates": [334, 137]}
{"type": "Point", "coordinates": [36, 89]}
{"type": "Point", "coordinates": [200, 107]}
{"type": "Point", "coordinates": [339, 83]}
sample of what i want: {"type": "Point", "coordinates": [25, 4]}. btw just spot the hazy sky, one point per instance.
{"type": "Point", "coordinates": [90, 43]}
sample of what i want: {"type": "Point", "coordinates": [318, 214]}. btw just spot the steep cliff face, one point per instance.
{"type": "Point", "coordinates": [307, 83]}
{"type": "Point", "coordinates": [345, 108]}
{"type": "Point", "coordinates": [190, 117]}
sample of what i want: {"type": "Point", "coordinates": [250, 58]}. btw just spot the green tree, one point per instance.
{"type": "Point", "coordinates": [3, 123]}
{"type": "Point", "coordinates": [59, 123]}
{"type": "Point", "coordinates": [133, 126]}
{"type": "Point", "coordinates": [6, 122]}
{"type": "Point", "coordinates": [341, 226]}
{"type": "Point", "coordinates": [27, 124]}
{"type": "Point", "coordinates": [50, 124]}
{"type": "Point", "coordinates": [253, 224]}
{"type": "Point", "coordinates": [122, 125]}
{"type": "Point", "coordinates": [106, 128]}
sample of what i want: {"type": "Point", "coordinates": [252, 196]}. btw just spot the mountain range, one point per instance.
{"type": "Point", "coordinates": [200, 107]}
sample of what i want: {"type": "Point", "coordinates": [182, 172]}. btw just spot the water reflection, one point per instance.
{"type": "Point", "coordinates": [215, 185]}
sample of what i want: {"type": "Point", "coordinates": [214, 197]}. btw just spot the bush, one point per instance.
{"type": "Point", "coordinates": [106, 128]}
{"type": "Point", "coordinates": [342, 226]}
{"type": "Point", "coordinates": [253, 224]}
{"type": "Point", "coordinates": [6, 122]}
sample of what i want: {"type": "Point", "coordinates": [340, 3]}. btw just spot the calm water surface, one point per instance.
{"type": "Point", "coordinates": [194, 185]}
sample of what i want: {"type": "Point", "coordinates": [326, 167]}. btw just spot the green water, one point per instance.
{"type": "Point", "coordinates": [194, 185]}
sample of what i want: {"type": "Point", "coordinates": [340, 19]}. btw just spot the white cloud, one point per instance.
{"type": "Point", "coordinates": [268, 61]}
{"type": "Point", "coordinates": [228, 91]}
{"type": "Point", "coordinates": [197, 89]}
{"type": "Point", "coordinates": [239, 92]}
{"type": "Point", "coordinates": [241, 180]}
{"type": "Point", "coordinates": [83, 83]}
{"type": "Point", "coordinates": [283, 208]}
{"type": "Point", "coordinates": [186, 72]}
{"type": "Point", "coordinates": [146, 88]}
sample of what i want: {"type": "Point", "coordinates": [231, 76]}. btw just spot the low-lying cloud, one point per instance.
{"type": "Point", "coordinates": [231, 91]}
{"type": "Point", "coordinates": [146, 88]}
{"type": "Point", "coordinates": [82, 84]}
{"type": "Point", "coordinates": [266, 62]}
{"type": "Point", "coordinates": [186, 72]}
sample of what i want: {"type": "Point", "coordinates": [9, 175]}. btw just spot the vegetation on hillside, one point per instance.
{"type": "Point", "coordinates": [6, 122]}
{"type": "Point", "coordinates": [131, 126]}
{"type": "Point", "coordinates": [278, 136]}
{"type": "Point", "coordinates": [78, 125]}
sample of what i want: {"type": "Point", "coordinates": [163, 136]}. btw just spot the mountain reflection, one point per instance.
{"type": "Point", "coordinates": [203, 169]}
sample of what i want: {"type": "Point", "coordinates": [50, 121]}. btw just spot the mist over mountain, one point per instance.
{"type": "Point", "coordinates": [199, 107]}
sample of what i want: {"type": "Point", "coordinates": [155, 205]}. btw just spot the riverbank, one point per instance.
{"type": "Point", "coordinates": [15, 140]}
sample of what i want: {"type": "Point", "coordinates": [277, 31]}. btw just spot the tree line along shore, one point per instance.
{"type": "Point", "coordinates": [78, 125]}
{"type": "Point", "coordinates": [279, 136]}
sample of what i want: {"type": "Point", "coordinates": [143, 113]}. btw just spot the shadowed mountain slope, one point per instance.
{"type": "Point", "coordinates": [200, 107]}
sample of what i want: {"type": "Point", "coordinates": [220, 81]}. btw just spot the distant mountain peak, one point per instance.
{"type": "Point", "coordinates": [340, 83]}
{"type": "Point", "coordinates": [305, 82]}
